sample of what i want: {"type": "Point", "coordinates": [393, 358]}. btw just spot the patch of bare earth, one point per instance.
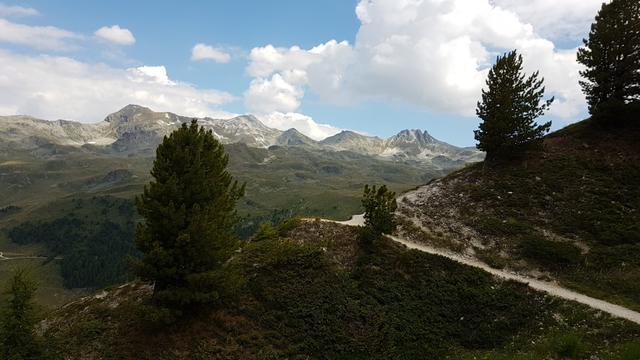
{"type": "Point", "coordinates": [437, 215]}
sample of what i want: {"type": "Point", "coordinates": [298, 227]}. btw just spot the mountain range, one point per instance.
{"type": "Point", "coordinates": [137, 129]}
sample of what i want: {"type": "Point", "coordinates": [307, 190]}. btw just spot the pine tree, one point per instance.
{"type": "Point", "coordinates": [612, 57]}
{"type": "Point", "coordinates": [379, 208]}
{"type": "Point", "coordinates": [508, 109]}
{"type": "Point", "coordinates": [189, 212]}
{"type": "Point", "coordinates": [17, 338]}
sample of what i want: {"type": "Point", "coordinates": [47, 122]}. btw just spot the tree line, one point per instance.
{"type": "Point", "coordinates": [92, 249]}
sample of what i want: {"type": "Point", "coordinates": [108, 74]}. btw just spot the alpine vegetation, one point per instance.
{"type": "Point", "coordinates": [611, 56]}
{"type": "Point", "coordinates": [508, 109]}
{"type": "Point", "coordinates": [189, 211]}
{"type": "Point", "coordinates": [379, 205]}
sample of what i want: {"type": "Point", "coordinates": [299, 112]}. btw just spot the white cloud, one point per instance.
{"type": "Point", "coordinates": [300, 122]}
{"type": "Point", "coordinates": [553, 18]}
{"type": "Point", "coordinates": [431, 53]}
{"type": "Point", "coordinates": [281, 74]}
{"type": "Point", "coordinates": [116, 35]}
{"type": "Point", "coordinates": [267, 60]}
{"type": "Point", "coordinates": [59, 87]}
{"type": "Point", "coordinates": [17, 11]}
{"type": "Point", "coordinates": [282, 92]}
{"type": "Point", "coordinates": [39, 37]}
{"type": "Point", "coordinates": [157, 74]}
{"type": "Point", "coordinates": [207, 52]}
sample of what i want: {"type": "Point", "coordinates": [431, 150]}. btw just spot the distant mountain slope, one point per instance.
{"type": "Point", "coordinates": [136, 129]}
{"type": "Point", "coordinates": [419, 145]}
{"type": "Point", "coordinates": [25, 132]}
{"type": "Point", "coordinates": [351, 141]}
{"type": "Point", "coordinates": [293, 137]}
{"type": "Point", "coordinates": [55, 184]}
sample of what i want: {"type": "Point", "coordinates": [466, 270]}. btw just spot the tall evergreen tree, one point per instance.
{"type": "Point", "coordinates": [379, 208]}
{"type": "Point", "coordinates": [189, 211]}
{"type": "Point", "coordinates": [611, 56]}
{"type": "Point", "coordinates": [17, 338]}
{"type": "Point", "coordinates": [508, 109]}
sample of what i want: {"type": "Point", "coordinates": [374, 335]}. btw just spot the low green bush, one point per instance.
{"type": "Point", "coordinates": [287, 225]}
{"type": "Point", "coordinates": [498, 227]}
{"type": "Point", "coordinates": [266, 231]}
{"type": "Point", "coordinates": [628, 351]}
{"type": "Point", "coordinates": [397, 304]}
{"type": "Point", "coordinates": [568, 346]}
{"type": "Point", "coordinates": [551, 254]}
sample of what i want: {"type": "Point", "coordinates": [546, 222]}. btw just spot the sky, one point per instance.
{"type": "Point", "coordinates": [373, 66]}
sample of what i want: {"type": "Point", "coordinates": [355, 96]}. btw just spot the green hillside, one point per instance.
{"type": "Point", "coordinates": [568, 212]}
{"type": "Point", "coordinates": [71, 206]}
{"type": "Point", "coordinates": [313, 294]}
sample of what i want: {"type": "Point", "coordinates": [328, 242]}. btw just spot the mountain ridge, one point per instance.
{"type": "Point", "coordinates": [136, 128]}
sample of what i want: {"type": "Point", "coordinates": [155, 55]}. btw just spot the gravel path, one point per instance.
{"type": "Point", "coordinates": [4, 258]}
{"type": "Point", "coordinates": [550, 288]}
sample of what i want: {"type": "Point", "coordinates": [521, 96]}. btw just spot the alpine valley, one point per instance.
{"type": "Point", "coordinates": [61, 181]}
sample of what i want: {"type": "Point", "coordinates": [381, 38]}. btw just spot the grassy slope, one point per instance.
{"type": "Point", "coordinates": [278, 178]}
{"type": "Point", "coordinates": [291, 182]}
{"type": "Point", "coordinates": [571, 211]}
{"type": "Point", "coordinates": [313, 294]}
{"type": "Point", "coordinates": [50, 290]}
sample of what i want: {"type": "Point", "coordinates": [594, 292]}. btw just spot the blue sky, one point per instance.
{"type": "Point", "coordinates": [397, 75]}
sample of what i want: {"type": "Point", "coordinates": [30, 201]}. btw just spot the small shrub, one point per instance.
{"type": "Point", "coordinates": [287, 225]}
{"type": "Point", "coordinates": [629, 351]}
{"type": "Point", "coordinates": [379, 207]}
{"type": "Point", "coordinates": [366, 237]}
{"type": "Point", "coordinates": [618, 234]}
{"type": "Point", "coordinates": [606, 258]}
{"type": "Point", "coordinates": [265, 232]}
{"type": "Point", "coordinates": [509, 226]}
{"type": "Point", "coordinates": [568, 346]}
{"type": "Point", "coordinates": [548, 253]}
{"type": "Point", "coordinates": [156, 317]}
{"type": "Point", "coordinates": [495, 261]}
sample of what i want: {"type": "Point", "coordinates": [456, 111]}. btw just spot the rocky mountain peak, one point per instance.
{"type": "Point", "coordinates": [247, 121]}
{"type": "Point", "coordinates": [127, 113]}
{"type": "Point", "coordinates": [412, 137]}
{"type": "Point", "coordinates": [345, 136]}
{"type": "Point", "coordinates": [293, 137]}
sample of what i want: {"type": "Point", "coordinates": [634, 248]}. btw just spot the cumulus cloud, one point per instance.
{"type": "Point", "coordinates": [555, 19]}
{"type": "Point", "coordinates": [116, 35]}
{"type": "Point", "coordinates": [154, 74]}
{"type": "Point", "coordinates": [54, 87]}
{"type": "Point", "coordinates": [281, 74]}
{"type": "Point", "coordinates": [300, 122]}
{"type": "Point", "coordinates": [17, 11]}
{"type": "Point", "coordinates": [207, 52]}
{"type": "Point", "coordinates": [431, 53]}
{"type": "Point", "coordinates": [39, 37]}
{"type": "Point", "coordinates": [281, 92]}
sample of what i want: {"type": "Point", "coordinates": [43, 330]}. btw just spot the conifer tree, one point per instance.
{"type": "Point", "coordinates": [611, 56]}
{"type": "Point", "coordinates": [17, 338]}
{"type": "Point", "coordinates": [508, 109]}
{"type": "Point", "coordinates": [379, 208]}
{"type": "Point", "coordinates": [189, 212]}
